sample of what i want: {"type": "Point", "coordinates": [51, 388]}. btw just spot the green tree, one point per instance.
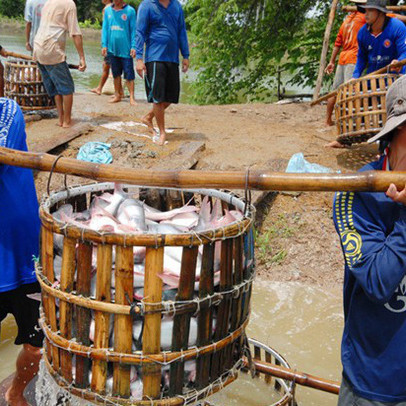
{"type": "Point", "coordinates": [12, 8]}
{"type": "Point", "coordinates": [241, 44]}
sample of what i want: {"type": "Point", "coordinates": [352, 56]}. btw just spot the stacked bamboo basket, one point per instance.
{"type": "Point", "coordinates": [23, 83]}
{"type": "Point", "coordinates": [360, 108]}
{"type": "Point", "coordinates": [222, 311]}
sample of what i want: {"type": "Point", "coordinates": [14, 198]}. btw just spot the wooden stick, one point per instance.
{"type": "Point", "coordinates": [300, 378]}
{"type": "Point", "coordinates": [151, 338]}
{"type": "Point", "coordinates": [123, 325]}
{"type": "Point", "coordinates": [324, 51]}
{"type": "Point", "coordinates": [19, 56]}
{"type": "Point", "coordinates": [102, 320]}
{"type": "Point", "coordinates": [369, 181]}
{"type": "Point", "coordinates": [391, 8]}
{"type": "Point", "coordinates": [377, 72]}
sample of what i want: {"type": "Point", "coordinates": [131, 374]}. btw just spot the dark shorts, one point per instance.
{"type": "Point", "coordinates": [25, 312]}
{"type": "Point", "coordinates": [122, 65]}
{"type": "Point", "coordinates": [349, 398]}
{"type": "Point", "coordinates": [57, 79]}
{"type": "Point", "coordinates": [162, 82]}
{"type": "Point", "coordinates": [107, 60]}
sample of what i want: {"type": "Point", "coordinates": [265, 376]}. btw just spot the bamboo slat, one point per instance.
{"type": "Point", "coordinates": [66, 309]}
{"type": "Point", "coordinates": [151, 341]}
{"type": "Point", "coordinates": [124, 275]}
{"type": "Point", "coordinates": [181, 323]}
{"type": "Point", "coordinates": [47, 252]}
{"type": "Point", "coordinates": [205, 320]}
{"type": "Point", "coordinates": [84, 268]}
{"type": "Point", "coordinates": [102, 320]}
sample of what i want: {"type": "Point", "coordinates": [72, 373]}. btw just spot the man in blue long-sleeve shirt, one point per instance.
{"type": "Point", "coordinates": [161, 28]}
{"type": "Point", "coordinates": [118, 43]}
{"type": "Point", "coordinates": [372, 229]}
{"type": "Point", "coordinates": [381, 41]}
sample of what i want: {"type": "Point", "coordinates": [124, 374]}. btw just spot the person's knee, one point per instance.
{"type": "Point", "coordinates": [33, 351]}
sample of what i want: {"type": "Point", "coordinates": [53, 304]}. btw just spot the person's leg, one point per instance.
{"type": "Point", "coordinates": [129, 76]}
{"type": "Point", "coordinates": [67, 110]}
{"type": "Point", "coordinates": [26, 368]}
{"type": "Point", "coordinates": [117, 95]}
{"type": "Point", "coordinates": [59, 109]}
{"type": "Point", "coordinates": [105, 75]}
{"type": "Point", "coordinates": [330, 108]}
{"type": "Point", "coordinates": [130, 85]}
{"type": "Point", "coordinates": [1, 80]}
{"type": "Point", "coordinates": [159, 113]}
{"type": "Point", "coordinates": [117, 70]}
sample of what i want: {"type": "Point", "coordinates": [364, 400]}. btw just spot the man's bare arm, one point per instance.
{"type": "Point", "coordinates": [78, 41]}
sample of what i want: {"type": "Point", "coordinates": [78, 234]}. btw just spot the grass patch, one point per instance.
{"type": "Point", "coordinates": [269, 243]}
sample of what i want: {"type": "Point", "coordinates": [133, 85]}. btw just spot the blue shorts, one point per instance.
{"type": "Point", "coordinates": [57, 79]}
{"type": "Point", "coordinates": [120, 65]}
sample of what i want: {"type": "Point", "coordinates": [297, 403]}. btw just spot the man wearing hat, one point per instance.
{"type": "Point", "coordinates": [346, 41]}
{"type": "Point", "coordinates": [381, 41]}
{"type": "Point", "coordinates": [372, 230]}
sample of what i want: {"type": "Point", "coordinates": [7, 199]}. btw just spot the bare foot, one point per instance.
{"type": "Point", "coordinates": [329, 123]}
{"type": "Point", "coordinates": [122, 95]}
{"type": "Point", "coordinates": [161, 141]}
{"type": "Point", "coordinates": [96, 91]}
{"type": "Point", "coordinates": [132, 101]}
{"type": "Point", "coordinates": [68, 124]}
{"type": "Point", "coordinates": [148, 122]}
{"type": "Point", "coordinates": [115, 99]}
{"type": "Point", "coordinates": [59, 124]}
{"type": "Point", "coordinates": [14, 400]}
{"type": "Point", "coordinates": [335, 144]}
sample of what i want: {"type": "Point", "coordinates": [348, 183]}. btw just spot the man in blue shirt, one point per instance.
{"type": "Point", "coordinates": [381, 41]}
{"type": "Point", "coordinates": [118, 42]}
{"type": "Point", "coordinates": [161, 28]}
{"type": "Point", "coordinates": [19, 242]}
{"type": "Point", "coordinates": [372, 229]}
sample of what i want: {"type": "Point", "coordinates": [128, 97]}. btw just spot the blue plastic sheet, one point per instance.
{"type": "Point", "coordinates": [96, 152]}
{"type": "Point", "coordinates": [298, 164]}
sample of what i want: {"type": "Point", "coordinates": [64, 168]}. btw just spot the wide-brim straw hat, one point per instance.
{"type": "Point", "coordinates": [395, 109]}
{"type": "Point", "coordinates": [359, 1]}
{"type": "Point", "coordinates": [376, 4]}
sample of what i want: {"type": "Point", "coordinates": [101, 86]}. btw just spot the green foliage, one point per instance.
{"type": "Point", "coordinates": [12, 8]}
{"type": "Point", "coordinates": [241, 44]}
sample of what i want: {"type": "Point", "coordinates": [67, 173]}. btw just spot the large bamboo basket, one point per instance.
{"type": "Point", "coordinates": [360, 108]}
{"type": "Point", "coordinates": [221, 312]}
{"type": "Point", "coordinates": [23, 83]}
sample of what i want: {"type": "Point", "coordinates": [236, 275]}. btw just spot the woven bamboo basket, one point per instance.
{"type": "Point", "coordinates": [23, 83]}
{"type": "Point", "coordinates": [360, 108]}
{"type": "Point", "coordinates": [219, 312]}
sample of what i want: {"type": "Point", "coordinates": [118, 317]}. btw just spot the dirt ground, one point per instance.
{"type": "Point", "coordinates": [297, 240]}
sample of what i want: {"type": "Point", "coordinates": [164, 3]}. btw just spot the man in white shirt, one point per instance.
{"type": "Point", "coordinates": [32, 16]}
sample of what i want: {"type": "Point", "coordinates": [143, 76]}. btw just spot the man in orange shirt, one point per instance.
{"type": "Point", "coordinates": [347, 40]}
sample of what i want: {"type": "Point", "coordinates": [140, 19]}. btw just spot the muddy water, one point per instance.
{"type": "Point", "coordinates": [303, 323]}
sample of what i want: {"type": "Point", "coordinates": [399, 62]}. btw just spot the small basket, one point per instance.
{"type": "Point", "coordinates": [23, 84]}
{"type": "Point", "coordinates": [360, 108]}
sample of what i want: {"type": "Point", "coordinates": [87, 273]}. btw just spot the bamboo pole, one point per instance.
{"type": "Point", "coordinates": [102, 320]}
{"type": "Point", "coordinates": [348, 9]}
{"type": "Point", "coordinates": [324, 51]}
{"type": "Point", "coordinates": [65, 309]}
{"type": "Point", "coordinates": [123, 325]}
{"type": "Point", "coordinates": [377, 72]}
{"type": "Point", "coordinates": [30, 58]}
{"type": "Point", "coordinates": [300, 378]}
{"type": "Point", "coordinates": [369, 181]}
{"type": "Point", "coordinates": [151, 338]}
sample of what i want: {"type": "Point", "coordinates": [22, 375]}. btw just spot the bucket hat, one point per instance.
{"type": "Point", "coordinates": [395, 109]}
{"type": "Point", "coordinates": [376, 4]}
